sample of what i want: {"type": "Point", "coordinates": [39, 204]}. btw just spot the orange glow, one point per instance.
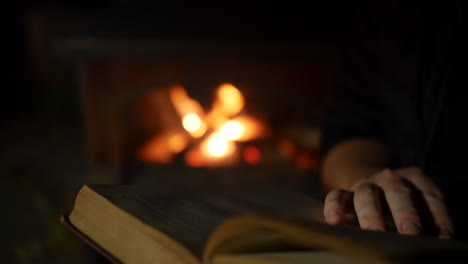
{"type": "Point", "coordinates": [252, 155]}
{"type": "Point", "coordinates": [232, 130]}
{"type": "Point", "coordinates": [195, 159]}
{"type": "Point", "coordinates": [200, 131]}
{"type": "Point", "coordinates": [191, 122]}
{"type": "Point", "coordinates": [244, 128]}
{"type": "Point", "coordinates": [177, 143]}
{"type": "Point", "coordinates": [229, 100]}
{"type": "Point", "coordinates": [305, 161]}
{"type": "Point", "coordinates": [156, 150]}
{"type": "Point", "coordinates": [287, 147]}
{"type": "Point", "coordinates": [182, 102]}
{"type": "Point", "coordinates": [194, 125]}
{"type": "Point", "coordinates": [217, 146]}
{"type": "Point", "coordinates": [216, 118]}
{"type": "Point", "coordinates": [160, 148]}
{"type": "Point", "coordinates": [190, 111]}
{"type": "Point", "coordinates": [224, 123]}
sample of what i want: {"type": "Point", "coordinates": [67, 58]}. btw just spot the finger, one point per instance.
{"type": "Point", "coordinates": [399, 200]}
{"type": "Point", "coordinates": [434, 200]}
{"type": "Point", "coordinates": [446, 232]}
{"type": "Point", "coordinates": [336, 204]}
{"type": "Point", "coordinates": [368, 207]}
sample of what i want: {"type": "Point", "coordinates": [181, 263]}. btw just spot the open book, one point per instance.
{"type": "Point", "coordinates": [137, 224]}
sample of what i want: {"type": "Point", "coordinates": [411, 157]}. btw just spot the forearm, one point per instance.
{"type": "Point", "coordinates": [351, 161]}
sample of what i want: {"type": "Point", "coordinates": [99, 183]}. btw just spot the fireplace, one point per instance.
{"type": "Point", "coordinates": [204, 105]}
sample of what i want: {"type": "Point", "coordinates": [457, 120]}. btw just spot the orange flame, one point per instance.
{"type": "Point", "coordinates": [229, 99]}
{"type": "Point", "coordinates": [216, 146]}
{"type": "Point", "coordinates": [232, 130]}
{"type": "Point", "coordinates": [190, 111]}
{"type": "Point", "coordinates": [219, 147]}
{"type": "Point", "coordinates": [160, 148]}
{"type": "Point", "coordinates": [242, 128]}
{"type": "Point", "coordinates": [176, 143]}
{"type": "Point", "coordinates": [194, 125]}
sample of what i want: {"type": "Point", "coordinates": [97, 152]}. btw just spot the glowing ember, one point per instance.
{"type": "Point", "coordinates": [252, 155]}
{"type": "Point", "coordinates": [194, 159]}
{"type": "Point", "coordinates": [217, 146]}
{"type": "Point", "coordinates": [191, 122]}
{"type": "Point", "coordinates": [232, 130]}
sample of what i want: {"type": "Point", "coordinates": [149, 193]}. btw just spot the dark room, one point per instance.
{"type": "Point", "coordinates": [233, 132]}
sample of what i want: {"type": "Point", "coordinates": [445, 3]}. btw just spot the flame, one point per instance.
{"type": "Point", "coordinates": [232, 130]}
{"type": "Point", "coordinates": [224, 122]}
{"type": "Point", "coordinates": [155, 150]}
{"type": "Point", "coordinates": [160, 148]}
{"type": "Point", "coordinates": [176, 143]}
{"type": "Point", "coordinates": [189, 110]}
{"type": "Point", "coordinates": [243, 128]}
{"type": "Point", "coordinates": [191, 122]}
{"type": "Point", "coordinates": [217, 146]}
{"type": "Point", "coordinates": [194, 125]}
{"type": "Point", "coordinates": [229, 100]}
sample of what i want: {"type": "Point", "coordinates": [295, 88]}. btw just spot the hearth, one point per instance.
{"type": "Point", "coordinates": [150, 103]}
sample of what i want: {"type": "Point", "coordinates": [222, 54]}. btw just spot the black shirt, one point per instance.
{"type": "Point", "coordinates": [448, 160]}
{"type": "Point", "coordinates": [399, 82]}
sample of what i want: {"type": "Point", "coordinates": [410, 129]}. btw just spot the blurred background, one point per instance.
{"type": "Point", "coordinates": [168, 92]}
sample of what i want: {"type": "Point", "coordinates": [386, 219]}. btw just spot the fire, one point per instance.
{"type": "Point", "coordinates": [229, 99]}
{"type": "Point", "coordinates": [191, 122]}
{"type": "Point", "coordinates": [189, 110]}
{"type": "Point", "coordinates": [177, 143]}
{"type": "Point", "coordinates": [222, 126]}
{"type": "Point", "coordinates": [232, 130]}
{"type": "Point", "coordinates": [217, 146]}
{"type": "Point", "coordinates": [228, 102]}
{"type": "Point", "coordinates": [252, 155]}
{"type": "Point", "coordinates": [251, 128]}
{"type": "Point", "coordinates": [194, 125]}
{"type": "Point", "coordinates": [160, 148]}
{"type": "Point", "coordinates": [242, 128]}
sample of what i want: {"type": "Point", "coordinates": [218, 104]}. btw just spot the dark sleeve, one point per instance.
{"type": "Point", "coordinates": [355, 110]}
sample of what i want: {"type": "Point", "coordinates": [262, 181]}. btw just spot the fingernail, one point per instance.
{"type": "Point", "coordinates": [333, 217]}
{"type": "Point", "coordinates": [377, 228]}
{"type": "Point", "coordinates": [445, 232]}
{"type": "Point", "coordinates": [411, 228]}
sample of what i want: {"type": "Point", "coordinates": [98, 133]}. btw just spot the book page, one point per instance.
{"type": "Point", "coordinates": [376, 247]}
{"type": "Point", "coordinates": [291, 257]}
{"type": "Point", "coordinates": [189, 216]}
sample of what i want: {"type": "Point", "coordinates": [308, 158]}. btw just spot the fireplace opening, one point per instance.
{"type": "Point", "coordinates": [201, 106]}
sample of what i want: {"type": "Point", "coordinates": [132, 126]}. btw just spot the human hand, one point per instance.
{"type": "Point", "coordinates": [414, 201]}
